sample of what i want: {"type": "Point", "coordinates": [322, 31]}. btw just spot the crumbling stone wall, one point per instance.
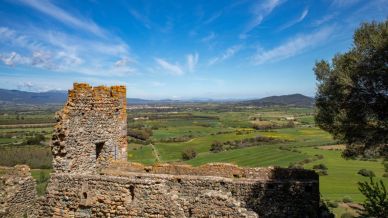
{"type": "Point", "coordinates": [91, 129]}
{"type": "Point", "coordinates": [213, 169]}
{"type": "Point", "coordinates": [134, 194]}
{"type": "Point", "coordinates": [17, 191]}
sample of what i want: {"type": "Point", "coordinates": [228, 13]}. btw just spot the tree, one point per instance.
{"type": "Point", "coordinates": [376, 202]}
{"type": "Point", "coordinates": [352, 95]}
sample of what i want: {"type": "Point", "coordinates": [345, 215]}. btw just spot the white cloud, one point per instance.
{"type": "Point", "coordinates": [61, 52]}
{"type": "Point", "coordinates": [13, 58]}
{"type": "Point", "coordinates": [228, 53]}
{"type": "Point", "coordinates": [32, 87]}
{"type": "Point", "coordinates": [293, 47]}
{"type": "Point", "coordinates": [298, 20]}
{"type": "Point", "coordinates": [125, 61]}
{"type": "Point", "coordinates": [101, 53]}
{"type": "Point", "coordinates": [192, 60]}
{"type": "Point", "coordinates": [71, 20]}
{"type": "Point", "coordinates": [173, 69]}
{"type": "Point", "coordinates": [209, 37]}
{"type": "Point", "coordinates": [260, 11]}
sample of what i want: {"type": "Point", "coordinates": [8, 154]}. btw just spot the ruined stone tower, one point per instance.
{"type": "Point", "coordinates": [91, 129]}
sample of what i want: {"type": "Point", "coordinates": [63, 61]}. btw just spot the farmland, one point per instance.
{"type": "Point", "coordinates": [252, 137]}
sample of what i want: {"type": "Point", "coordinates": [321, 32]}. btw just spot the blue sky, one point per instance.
{"type": "Point", "coordinates": [176, 49]}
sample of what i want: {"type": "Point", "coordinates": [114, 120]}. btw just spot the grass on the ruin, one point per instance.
{"type": "Point", "coordinates": [41, 177]}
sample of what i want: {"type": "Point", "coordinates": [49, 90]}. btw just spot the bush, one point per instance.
{"type": "Point", "coordinates": [216, 147]}
{"type": "Point", "coordinates": [295, 166]}
{"type": "Point", "coordinates": [376, 198]}
{"type": "Point", "coordinates": [142, 133]}
{"type": "Point", "coordinates": [385, 175]}
{"type": "Point", "coordinates": [188, 154]}
{"type": "Point", "coordinates": [366, 173]}
{"type": "Point", "coordinates": [385, 166]}
{"type": "Point", "coordinates": [347, 199]}
{"type": "Point", "coordinates": [34, 140]}
{"type": "Point", "coordinates": [320, 167]}
{"type": "Point", "coordinates": [332, 204]}
{"type": "Point", "coordinates": [322, 172]}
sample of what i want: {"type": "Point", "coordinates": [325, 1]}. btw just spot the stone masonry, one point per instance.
{"type": "Point", "coordinates": [91, 129]}
{"type": "Point", "coordinates": [17, 191]}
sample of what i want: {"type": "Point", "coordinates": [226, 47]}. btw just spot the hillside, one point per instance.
{"type": "Point", "coordinates": [23, 97]}
{"type": "Point", "coordinates": [297, 100]}
{"type": "Point", "coordinates": [59, 97]}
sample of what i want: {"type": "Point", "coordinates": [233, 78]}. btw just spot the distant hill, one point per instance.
{"type": "Point", "coordinates": [23, 97]}
{"type": "Point", "coordinates": [59, 97]}
{"type": "Point", "coordinates": [297, 100]}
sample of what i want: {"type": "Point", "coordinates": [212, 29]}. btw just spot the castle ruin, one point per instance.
{"type": "Point", "coordinates": [92, 177]}
{"type": "Point", "coordinates": [91, 129]}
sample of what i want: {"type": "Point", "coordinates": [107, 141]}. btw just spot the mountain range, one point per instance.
{"type": "Point", "coordinates": [59, 97]}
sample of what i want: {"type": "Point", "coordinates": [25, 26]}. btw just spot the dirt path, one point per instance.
{"type": "Point", "coordinates": [155, 152]}
{"type": "Point", "coordinates": [190, 140]}
{"type": "Point", "coordinates": [340, 147]}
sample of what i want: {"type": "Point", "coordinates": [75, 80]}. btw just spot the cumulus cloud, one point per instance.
{"type": "Point", "coordinates": [228, 53]}
{"type": "Point", "coordinates": [192, 60]}
{"type": "Point", "coordinates": [293, 46]}
{"type": "Point", "coordinates": [173, 69]}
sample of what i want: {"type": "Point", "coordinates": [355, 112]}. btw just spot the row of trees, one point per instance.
{"type": "Point", "coordinates": [248, 142]}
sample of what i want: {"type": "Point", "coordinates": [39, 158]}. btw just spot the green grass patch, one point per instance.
{"type": "Point", "coordinates": [342, 175]}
